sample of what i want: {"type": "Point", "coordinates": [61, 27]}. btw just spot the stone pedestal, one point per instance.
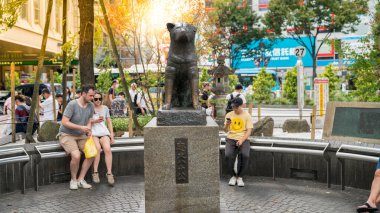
{"type": "Point", "coordinates": [181, 168]}
{"type": "Point", "coordinates": [181, 117]}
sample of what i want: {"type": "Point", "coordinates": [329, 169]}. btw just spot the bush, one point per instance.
{"type": "Point", "coordinates": [262, 87]}
{"type": "Point", "coordinates": [290, 85]}
{"type": "Point", "coordinates": [122, 123]}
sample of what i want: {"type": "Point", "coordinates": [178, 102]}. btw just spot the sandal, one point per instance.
{"type": "Point", "coordinates": [368, 208]}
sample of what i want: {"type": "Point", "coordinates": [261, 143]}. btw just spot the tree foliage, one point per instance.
{"type": "Point", "coordinates": [104, 81]}
{"type": "Point", "coordinates": [311, 18]}
{"type": "Point", "coordinates": [237, 26]}
{"type": "Point", "coordinates": [232, 81]}
{"type": "Point", "coordinates": [204, 77]}
{"type": "Point", "coordinates": [9, 11]}
{"type": "Point", "coordinates": [367, 81]}
{"type": "Point", "coordinates": [8, 81]}
{"type": "Point", "coordinates": [290, 85]}
{"type": "Point", "coordinates": [329, 73]}
{"type": "Point", "coordinates": [262, 87]}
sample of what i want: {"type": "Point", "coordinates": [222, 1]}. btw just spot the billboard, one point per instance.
{"type": "Point", "coordinates": [278, 53]}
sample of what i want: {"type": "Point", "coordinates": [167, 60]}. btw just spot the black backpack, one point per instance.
{"type": "Point", "coordinates": [229, 107]}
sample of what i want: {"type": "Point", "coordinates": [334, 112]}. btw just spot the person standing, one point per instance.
{"type": "Point", "coordinates": [103, 138]}
{"type": "Point", "coordinates": [236, 93]}
{"type": "Point", "coordinates": [59, 98]}
{"type": "Point", "coordinates": [112, 91]}
{"type": "Point", "coordinates": [238, 124]}
{"type": "Point", "coordinates": [74, 131]}
{"type": "Point", "coordinates": [46, 107]}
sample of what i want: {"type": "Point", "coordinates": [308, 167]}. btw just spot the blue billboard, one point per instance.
{"type": "Point", "coordinates": [278, 53]}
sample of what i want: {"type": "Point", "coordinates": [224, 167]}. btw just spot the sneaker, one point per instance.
{"type": "Point", "coordinates": [84, 184]}
{"type": "Point", "coordinates": [95, 177]}
{"type": "Point", "coordinates": [232, 181]}
{"type": "Point", "coordinates": [240, 182]}
{"type": "Point", "coordinates": [110, 179]}
{"type": "Point", "coordinates": [73, 185]}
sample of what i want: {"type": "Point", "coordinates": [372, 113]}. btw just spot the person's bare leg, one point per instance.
{"type": "Point", "coordinates": [97, 158]}
{"type": "Point", "coordinates": [85, 166]}
{"type": "Point", "coordinates": [375, 190]}
{"type": "Point", "coordinates": [106, 145]}
{"type": "Point", "coordinates": [74, 164]}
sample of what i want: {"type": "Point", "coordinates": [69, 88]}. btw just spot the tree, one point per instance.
{"type": "Point", "coordinates": [29, 136]}
{"type": "Point", "coordinates": [310, 18]}
{"type": "Point", "coordinates": [9, 11]}
{"type": "Point", "coordinates": [204, 77]}
{"type": "Point", "coordinates": [290, 85]}
{"type": "Point", "coordinates": [86, 41]}
{"type": "Point", "coordinates": [366, 80]}
{"type": "Point", "coordinates": [237, 27]}
{"type": "Point", "coordinates": [262, 86]}
{"type": "Point", "coordinates": [329, 73]}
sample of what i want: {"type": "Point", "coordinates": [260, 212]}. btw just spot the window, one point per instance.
{"type": "Point", "coordinates": [37, 12]}
{"type": "Point", "coordinates": [24, 11]}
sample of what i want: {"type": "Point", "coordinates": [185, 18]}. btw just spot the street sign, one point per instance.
{"type": "Point", "coordinates": [300, 51]}
{"type": "Point", "coordinates": [321, 95]}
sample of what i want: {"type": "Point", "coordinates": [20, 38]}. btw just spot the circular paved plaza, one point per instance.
{"type": "Point", "coordinates": [259, 195]}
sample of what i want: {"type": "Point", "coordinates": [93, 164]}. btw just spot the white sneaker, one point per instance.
{"type": "Point", "coordinates": [232, 181]}
{"type": "Point", "coordinates": [240, 182]}
{"type": "Point", "coordinates": [84, 184]}
{"type": "Point", "coordinates": [73, 185]}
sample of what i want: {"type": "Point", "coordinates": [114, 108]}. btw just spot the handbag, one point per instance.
{"type": "Point", "coordinates": [90, 150]}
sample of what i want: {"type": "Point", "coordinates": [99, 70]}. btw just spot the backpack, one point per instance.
{"type": "Point", "coordinates": [229, 107]}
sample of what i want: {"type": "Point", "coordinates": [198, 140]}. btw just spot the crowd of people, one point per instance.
{"type": "Point", "coordinates": [116, 102]}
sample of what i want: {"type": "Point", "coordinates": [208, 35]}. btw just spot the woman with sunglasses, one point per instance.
{"type": "Point", "coordinates": [103, 138]}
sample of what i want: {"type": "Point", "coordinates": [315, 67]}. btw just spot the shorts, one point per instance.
{"type": "Point", "coordinates": [71, 143]}
{"type": "Point", "coordinates": [378, 164]}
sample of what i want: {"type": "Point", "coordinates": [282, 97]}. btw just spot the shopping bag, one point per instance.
{"type": "Point", "coordinates": [90, 150]}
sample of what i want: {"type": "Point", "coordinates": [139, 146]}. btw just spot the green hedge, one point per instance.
{"type": "Point", "coordinates": [122, 123]}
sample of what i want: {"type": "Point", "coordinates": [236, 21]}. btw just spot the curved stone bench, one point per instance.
{"type": "Point", "coordinates": [270, 160]}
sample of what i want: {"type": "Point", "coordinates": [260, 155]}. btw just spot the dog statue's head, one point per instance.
{"type": "Point", "coordinates": [181, 32]}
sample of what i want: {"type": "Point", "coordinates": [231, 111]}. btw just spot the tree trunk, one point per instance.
{"type": "Point", "coordinates": [64, 55]}
{"type": "Point", "coordinates": [86, 42]}
{"type": "Point", "coordinates": [29, 135]}
{"type": "Point", "coordinates": [117, 59]}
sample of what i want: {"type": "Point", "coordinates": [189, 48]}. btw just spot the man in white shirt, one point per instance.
{"type": "Point", "coordinates": [47, 106]}
{"type": "Point", "coordinates": [238, 90]}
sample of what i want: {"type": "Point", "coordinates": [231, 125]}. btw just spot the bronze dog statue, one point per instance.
{"type": "Point", "coordinates": [181, 73]}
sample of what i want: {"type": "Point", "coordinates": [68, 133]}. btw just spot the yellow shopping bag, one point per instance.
{"type": "Point", "coordinates": [90, 150]}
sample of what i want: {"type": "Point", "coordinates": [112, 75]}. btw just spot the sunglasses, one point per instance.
{"type": "Point", "coordinates": [97, 99]}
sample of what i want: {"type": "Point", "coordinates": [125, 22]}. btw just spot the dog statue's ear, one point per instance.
{"type": "Point", "coordinates": [170, 26]}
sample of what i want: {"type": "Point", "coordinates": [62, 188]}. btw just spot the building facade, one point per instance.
{"type": "Point", "coordinates": [21, 44]}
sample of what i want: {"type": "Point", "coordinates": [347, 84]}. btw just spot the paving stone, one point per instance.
{"type": "Point", "coordinates": [260, 195]}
